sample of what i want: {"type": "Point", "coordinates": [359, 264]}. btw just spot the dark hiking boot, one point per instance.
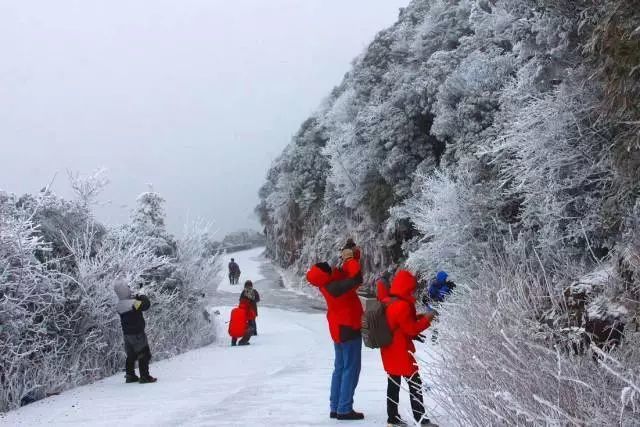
{"type": "Point", "coordinates": [333, 414]}
{"type": "Point", "coordinates": [147, 380]}
{"type": "Point", "coordinates": [351, 416]}
{"type": "Point", "coordinates": [396, 422]}
{"type": "Point", "coordinates": [244, 343]}
{"type": "Point", "coordinates": [131, 378]}
{"type": "Point", "coordinates": [428, 423]}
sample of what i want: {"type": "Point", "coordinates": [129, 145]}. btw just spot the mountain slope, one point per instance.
{"type": "Point", "coordinates": [497, 140]}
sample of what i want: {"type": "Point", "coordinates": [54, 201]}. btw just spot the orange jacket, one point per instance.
{"type": "Point", "coordinates": [238, 322]}
{"type": "Point", "coordinates": [397, 358]}
{"type": "Point", "coordinates": [338, 287]}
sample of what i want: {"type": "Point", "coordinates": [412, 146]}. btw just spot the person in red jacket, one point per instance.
{"type": "Point", "coordinates": [383, 284]}
{"type": "Point", "coordinates": [239, 323]}
{"type": "Point", "coordinates": [344, 312]}
{"type": "Point", "coordinates": [397, 358]}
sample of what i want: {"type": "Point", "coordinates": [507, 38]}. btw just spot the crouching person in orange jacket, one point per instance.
{"type": "Point", "coordinates": [398, 357]}
{"type": "Point", "coordinates": [239, 323]}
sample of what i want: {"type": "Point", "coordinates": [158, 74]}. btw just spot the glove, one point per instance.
{"type": "Point", "coordinates": [419, 338]}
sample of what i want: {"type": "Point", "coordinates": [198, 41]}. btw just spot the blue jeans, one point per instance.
{"type": "Point", "coordinates": [346, 372]}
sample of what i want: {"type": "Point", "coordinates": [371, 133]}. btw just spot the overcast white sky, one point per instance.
{"type": "Point", "coordinates": [196, 97]}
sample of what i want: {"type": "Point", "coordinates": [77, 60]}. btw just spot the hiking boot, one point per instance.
{"type": "Point", "coordinates": [425, 422]}
{"type": "Point", "coordinates": [396, 422]}
{"type": "Point", "coordinates": [244, 343]}
{"type": "Point", "coordinates": [147, 380]}
{"type": "Point", "coordinates": [351, 416]}
{"type": "Point", "coordinates": [131, 378]}
{"type": "Point", "coordinates": [333, 414]}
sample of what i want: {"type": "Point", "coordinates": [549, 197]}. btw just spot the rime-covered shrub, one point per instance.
{"type": "Point", "coordinates": [58, 324]}
{"type": "Point", "coordinates": [498, 363]}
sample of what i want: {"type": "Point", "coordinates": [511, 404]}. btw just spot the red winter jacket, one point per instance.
{"type": "Point", "coordinates": [247, 305]}
{"type": "Point", "coordinates": [238, 322]}
{"type": "Point", "coordinates": [338, 287]}
{"type": "Point", "coordinates": [397, 358]}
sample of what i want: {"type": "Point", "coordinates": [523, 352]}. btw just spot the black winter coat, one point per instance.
{"type": "Point", "coordinates": [133, 321]}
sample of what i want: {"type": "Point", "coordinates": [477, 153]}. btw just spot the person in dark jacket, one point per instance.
{"type": "Point", "coordinates": [344, 312]}
{"type": "Point", "coordinates": [234, 272]}
{"type": "Point", "coordinates": [398, 357]}
{"type": "Point", "coordinates": [130, 307]}
{"type": "Point", "coordinates": [253, 297]}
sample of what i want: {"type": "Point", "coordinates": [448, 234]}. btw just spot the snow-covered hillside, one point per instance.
{"type": "Point", "coordinates": [498, 140]}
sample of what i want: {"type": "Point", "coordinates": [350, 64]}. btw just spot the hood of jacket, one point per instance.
{"type": "Point", "coordinates": [404, 285]}
{"type": "Point", "coordinates": [125, 296]}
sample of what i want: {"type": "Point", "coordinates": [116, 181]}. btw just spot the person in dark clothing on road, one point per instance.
{"type": "Point", "coordinates": [344, 312]}
{"type": "Point", "coordinates": [253, 297]}
{"type": "Point", "coordinates": [130, 307]}
{"type": "Point", "coordinates": [234, 272]}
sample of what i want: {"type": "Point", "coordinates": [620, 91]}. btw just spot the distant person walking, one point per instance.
{"type": "Point", "coordinates": [234, 272]}
{"type": "Point", "coordinates": [130, 307]}
{"type": "Point", "coordinates": [253, 298]}
{"type": "Point", "coordinates": [344, 312]}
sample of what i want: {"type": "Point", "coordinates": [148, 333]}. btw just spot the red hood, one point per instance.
{"type": "Point", "coordinates": [403, 285]}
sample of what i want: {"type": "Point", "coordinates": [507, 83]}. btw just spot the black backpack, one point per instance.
{"type": "Point", "coordinates": [375, 328]}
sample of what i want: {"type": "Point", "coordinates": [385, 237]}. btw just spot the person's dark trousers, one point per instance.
{"type": "Point", "coordinates": [130, 365]}
{"type": "Point", "coordinates": [136, 347]}
{"type": "Point", "coordinates": [143, 363]}
{"type": "Point", "coordinates": [254, 327]}
{"type": "Point", "coordinates": [245, 339]}
{"type": "Point", "coordinates": [415, 391]}
{"type": "Point", "coordinates": [346, 372]}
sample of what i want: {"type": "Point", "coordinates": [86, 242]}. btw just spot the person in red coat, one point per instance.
{"type": "Point", "coordinates": [398, 357]}
{"type": "Point", "coordinates": [344, 312]}
{"type": "Point", "coordinates": [383, 284]}
{"type": "Point", "coordinates": [239, 323]}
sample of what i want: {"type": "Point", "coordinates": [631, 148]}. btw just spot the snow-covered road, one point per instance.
{"type": "Point", "coordinates": [282, 378]}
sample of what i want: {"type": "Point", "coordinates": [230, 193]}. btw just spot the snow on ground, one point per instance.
{"type": "Point", "coordinates": [281, 379]}
{"type": "Point", "coordinates": [249, 261]}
